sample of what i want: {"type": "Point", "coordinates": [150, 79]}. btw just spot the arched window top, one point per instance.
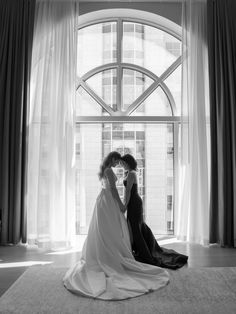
{"type": "Point", "coordinates": [125, 57]}
{"type": "Point", "coordinates": [131, 14]}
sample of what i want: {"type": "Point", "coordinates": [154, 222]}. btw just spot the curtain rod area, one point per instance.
{"type": "Point", "coordinates": [125, 1]}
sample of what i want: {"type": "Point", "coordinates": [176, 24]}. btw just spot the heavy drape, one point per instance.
{"type": "Point", "coordinates": [16, 30]}
{"type": "Point", "coordinates": [222, 65]}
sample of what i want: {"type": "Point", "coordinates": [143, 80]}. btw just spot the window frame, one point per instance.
{"type": "Point", "coordinates": [150, 19]}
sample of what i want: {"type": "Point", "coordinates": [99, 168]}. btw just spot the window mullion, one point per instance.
{"type": "Point", "coordinates": [119, 68]}
{"type": "Point", "coordinates": [96, 97]}
{"type": "Point", "coordinates": [176, 144]}
{"type": "Point", "coordinates": [130, 119]}
{"type": "Point", "coordinates": [142, 97]}
{"type": "Point", "coordinates": [171, 68]}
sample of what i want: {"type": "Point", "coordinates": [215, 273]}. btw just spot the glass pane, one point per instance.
{"type": "Point", "coordinates": [173, 82]}
{"type": "Point", "coordinates": [129, 147]}
{"type": "Point", "coordinates": [134, 83]}
{"type": "Point", "coordinates": [97, 45]}
{"type": "Point", "coordinates": [149, 47]}
{"type": "Point", "coordinates": [86, 105]}
{"type": "Point", "coordinates": [152, 146]}
{"type": "Point", "coordinates": [89, 138]}
{"type": "Point", "coordinates": [158, 177]}
{"type": "Point", "coordinates": [104, 84]}
{"type": "Point", "coordinates": [157, 104]}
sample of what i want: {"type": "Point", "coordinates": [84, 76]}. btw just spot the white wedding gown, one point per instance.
{"type": "Point", "coordinates": [107, 269]}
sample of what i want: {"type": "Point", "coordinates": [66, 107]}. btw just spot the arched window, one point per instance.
{"type": "Point", "coordinates": [128, 99]}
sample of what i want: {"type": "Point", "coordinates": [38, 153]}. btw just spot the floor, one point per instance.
{"type": "Point", "coordinates": [14, 260]}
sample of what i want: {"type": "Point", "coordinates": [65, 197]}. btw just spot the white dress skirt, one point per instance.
{"type": "Point", "coordinates": [107, 269]}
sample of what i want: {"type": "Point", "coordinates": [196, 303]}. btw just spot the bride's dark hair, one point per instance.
{"type": "Point", "coordinates": [107, 161]}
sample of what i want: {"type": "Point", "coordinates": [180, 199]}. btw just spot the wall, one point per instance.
{"type": "Point", "coordinates": [169, 10]}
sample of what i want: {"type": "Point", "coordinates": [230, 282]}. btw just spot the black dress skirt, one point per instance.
{"type": "Point", "coordinates": [144, 245]}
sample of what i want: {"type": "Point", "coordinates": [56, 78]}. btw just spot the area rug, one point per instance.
{"type": "Point", "coordinates": [202, 290]}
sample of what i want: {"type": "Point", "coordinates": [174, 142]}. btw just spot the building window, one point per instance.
{"type": "Point", "coordinates": [169, 202]}
{"type": "Point", "coordinates": [170, 225]}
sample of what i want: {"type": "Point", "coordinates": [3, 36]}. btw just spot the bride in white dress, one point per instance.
{"type": "Point", "coordinates": [107, 269]}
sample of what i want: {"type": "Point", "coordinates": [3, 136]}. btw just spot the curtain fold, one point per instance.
{"type": "Point", "coordinates": [16, 33]}
{"type": "Point", "coordinates": [194, 170]}
{"type": "Point", "coordinates": [51, 166]}
{"type": "Point", "coordinates": [222, 69]}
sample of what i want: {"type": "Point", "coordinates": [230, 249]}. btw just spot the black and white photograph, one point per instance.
{"type": "Point", "coordinates": [117, 157]}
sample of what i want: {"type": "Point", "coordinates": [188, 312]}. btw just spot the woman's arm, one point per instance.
{"type": "Point", "coordinates": [111, 178]}
{"type": "Point", "coordinates": [131, 179]}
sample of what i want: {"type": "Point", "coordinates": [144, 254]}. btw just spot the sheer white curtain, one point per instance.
{"type": "Point", "coordinates": [194, 167]}
{"type": "Point", "coordinates": [51, 162]}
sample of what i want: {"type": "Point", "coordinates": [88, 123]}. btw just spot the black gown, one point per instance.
{"type": "Point", "coordinates": [144, 245]}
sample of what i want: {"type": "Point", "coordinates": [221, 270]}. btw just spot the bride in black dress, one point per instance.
{"type": "Point", "coordinates": [144, 245]}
